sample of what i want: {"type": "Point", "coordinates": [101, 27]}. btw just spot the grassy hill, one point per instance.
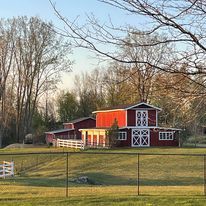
{"type": "Point", "coordinates": [164, 179]}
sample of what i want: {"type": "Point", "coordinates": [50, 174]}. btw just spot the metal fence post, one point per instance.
{"type": "Point", "coordinates": [204, 173]}
{"type": "Point", "coordinates": [67, 174]}
{"type": "Point", "coordinates": [37, 161]}
{"type": "Point", "coordinates": [138, 174]}
{"type": "Point", "coordinates": [21, 168]}
{"type": "Point", "coordinates": [3, 167]}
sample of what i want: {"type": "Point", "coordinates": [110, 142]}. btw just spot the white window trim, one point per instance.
{"type": "Point", "coordinates": [141, 117]}
{"type": "Point", "coordinates": [166, 134]}
{"type": "Point", "coordinates": [124, 134]}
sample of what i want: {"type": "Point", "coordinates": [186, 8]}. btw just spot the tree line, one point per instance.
{"type": "Point", "coordinates": [162, 62]}
{"type": "Point", "coordinates": [32, 58]}
{"type": "Point", "coordinates": [119, 85]}
{"type": "Point", "coordinates": [182, 98]}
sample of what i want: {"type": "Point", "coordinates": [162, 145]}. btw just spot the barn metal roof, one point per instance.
{"type": "Point", "coordinates": [99, 128]}
{"type": "Point", "coordinates": [58, 131]}
{"type": "Point", "coordinates": [127, 106]}
{"type": "Point", "coordinates": [79, 120]}
{"type": "Point", "coordinates": [152, 127]}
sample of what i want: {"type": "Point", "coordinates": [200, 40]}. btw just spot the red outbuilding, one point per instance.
{"type": "Point", "coordinates": [70, 130]}
{"type": "Point", "coordinates": [138, 127]}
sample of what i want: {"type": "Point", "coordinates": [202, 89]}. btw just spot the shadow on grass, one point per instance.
{"type": "Point", "coordinates": [101, 179]}
{"type": "Point", "coordinates": [32, 181]}
{"type": "Point", "coordinates": [110, 180]}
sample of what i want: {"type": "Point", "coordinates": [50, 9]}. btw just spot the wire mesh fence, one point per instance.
{"type": "Point", "coordinates": [66, 174]}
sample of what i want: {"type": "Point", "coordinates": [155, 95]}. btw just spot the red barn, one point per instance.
{"type": "Point", "coordinates": [138, 127]}
{"type": "Point", "coordinates": [71, 129]}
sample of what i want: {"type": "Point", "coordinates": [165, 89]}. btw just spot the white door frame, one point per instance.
{"type": "Point", "coordinates": [140, 145]}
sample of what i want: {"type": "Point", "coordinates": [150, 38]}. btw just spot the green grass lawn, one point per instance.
{"type": "Point", "coordinates": [164, 180]}
{"type": "Point", "coordinates": [96, 196]}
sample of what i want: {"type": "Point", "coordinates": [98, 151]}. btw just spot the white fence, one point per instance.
{"type": "Point", "coordinates": [78, 144]}
{"type": "Point", "coordinates": [7, 169]}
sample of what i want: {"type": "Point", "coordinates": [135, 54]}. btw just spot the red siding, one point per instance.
{"type": "Point", "coordinates": [71, 134]}
{"type": "Point", "coordinates": [106, 119]}
{"type": "Point", "coordinates": [152, 117]}
{"type": "Point", "coordinates": [68, 126]}
{"type": "Point", "coordinates": [88, 123]}
{"type": "Point", "coordinates": [61, 135]}
{"type": "Point", "coordinates": [131, 117]}
{"type": "Point", "coordinates": [154, 139]}
{"type": "Point", "coordinates": [101, 139]}
{"type": "Point", "coordinates": [88, 140]}
{"type": "Point", "coordinates": [127, 142]}
{"type": "Point", "coordinates": [94, 139]}
{"type": "Point", "coordinates": [50, 137]}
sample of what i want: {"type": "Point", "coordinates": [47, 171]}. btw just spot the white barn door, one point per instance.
{"type": "Point", "coordinates": [140, 138]}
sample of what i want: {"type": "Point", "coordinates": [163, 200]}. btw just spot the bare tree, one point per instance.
{"type": "Point", "coordinates": [182, 75]}
{"type": "Point", "coordinates": [181, 22]}
{"type": "Point", "coordinates": [40, 57]}
{"type": "Point", "coordinates": [6, 59]}
{"type": "Point", "coordinates": [142, 76]}
{"type": "Point", "coordinates": [117, 87]}
{"type": "Point", "coordinates": [89, 91]}
{"type": "Point", "coordinates": [32, 59]}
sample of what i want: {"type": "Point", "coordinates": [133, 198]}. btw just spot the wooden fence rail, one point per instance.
{"type": "Point", "coordinates": [78, 144]}
{"type": "Point", "coordinates": [7, 169]}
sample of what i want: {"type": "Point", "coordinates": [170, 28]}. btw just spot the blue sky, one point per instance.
{"type": "Point", "coordinates": [70, 9]}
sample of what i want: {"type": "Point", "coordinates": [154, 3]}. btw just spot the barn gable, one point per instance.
{"type": "Point", "coordinates": [126, 115]}
{"type": "Point", "coordinates": [143, 105]}
{"type": "Point", "coordinates": [72, 123]}
{"type": "Point", "coordinates": [71, 129]}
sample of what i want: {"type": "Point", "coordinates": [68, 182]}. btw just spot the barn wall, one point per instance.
{"type": "Point", "coordinates": [49, 138]}
{"type": "Point", "coordinates": [127, 142]}
{"type": "Point", "coordinates": [131, 117]}
{"type": "Point", "coordinates": [92, 137]}
{"type": "Point", "coordinates": [94, 142]}
{"type": "Point", "coordinates": [101, 140]}
{"type": "Point", "coordinates": [68, 126]}
{"type": "Point", "coordinates": [89, 140]}
{"type": "Point", "coordinates": [152, 117]}
{"type": "Point", "coordinates": [88, 123]}
{"type": "Point", "coordinates": [142, 106]}
{"type": "Point", "coordinates": [71, 134]}
{"type": "Point", "coordinates": [106, 119]}
{"type": "Point", "coordinates": [154, 139]}
{"type": "Point", "coordinates": [62, 135]}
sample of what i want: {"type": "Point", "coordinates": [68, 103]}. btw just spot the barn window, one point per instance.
{"type": "Point", "coordinates": [166, 136]}
{"type": "Point", "coordinates": [141, 118]}
{"type": "Point", "coordinates": [122, 136]}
